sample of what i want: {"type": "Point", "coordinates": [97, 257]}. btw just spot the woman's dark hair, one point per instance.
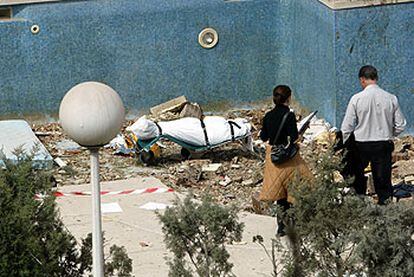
{"type": "Point", "coordinates": [281, 94]}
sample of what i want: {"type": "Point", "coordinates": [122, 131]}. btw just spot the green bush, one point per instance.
{"type": "Point", "coordinates": [336, 233]}
{"type": "Point", "coordinates": [198, 232]}
{"type": "Point", "coordinates": [386, 243]}
{"type": "Point", "coordinates": [33, 239]}
{"type": "Point", "coordinates": [327, 218]}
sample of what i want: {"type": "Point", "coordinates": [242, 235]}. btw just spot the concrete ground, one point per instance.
{"type": "Point", "coordinates": [135, 228]}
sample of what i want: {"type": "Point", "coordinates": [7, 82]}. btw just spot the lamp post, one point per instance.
{"type": "Point", "coordinates": [92, 113]}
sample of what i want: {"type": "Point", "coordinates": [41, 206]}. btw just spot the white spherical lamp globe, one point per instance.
{"type": "Point", "coordinates": [91, 113]}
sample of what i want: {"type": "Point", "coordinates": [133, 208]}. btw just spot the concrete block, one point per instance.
{"type": "Point", "coordinates": [171, 105]}
{"type": "Point", "coordinates": [16, 134]}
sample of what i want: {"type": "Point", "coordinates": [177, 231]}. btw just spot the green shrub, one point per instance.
{"type": "Point", "coordinates": [336, 233]}
{"type": "Point", "coordinates": [386, 243]}
{"type": "Point", "coordinates": [33, 239]}
{"type": "Point", "coordinates": [198, 232]}
{"type": "Point", "coordinates": [327, 217]}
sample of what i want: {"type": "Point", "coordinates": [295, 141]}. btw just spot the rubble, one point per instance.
{"type": "Point", "coordinates": [248, 182]}
{"type": "Point", "coordinates": [68, 145]}
{"type": "Point", "coordinates": [169, 106]}
{"type": "Point", "coordinates": [409, 179]}
{"type": "Point", "coordinates": [319, 131]}
{"type": "Point", "coordinates": [370, 184]}
{"type": "Point", "coordinates": [211, 167]}
{"type": "Point", "coordinates": [228, 172]}
{"type": "Point", "coordinates": [403, 160]}
{"type": "Point", "coordinates": [77, 170]}
{"type": "Point", "coordinates": [404, 149]}
{"type": "Point", "coordinates": [225, 182]}
{"type": "Point", "coordinates": [60, 162]}
{"type": "Point", "coordinates": [192, 110]}
{"type": "Point", "coordinates": [16, 137]}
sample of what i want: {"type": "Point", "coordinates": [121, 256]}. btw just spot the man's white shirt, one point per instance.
{"type": "Point", "coordinates": [373, 115]}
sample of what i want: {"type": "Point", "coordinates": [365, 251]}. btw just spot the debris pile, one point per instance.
{"type": "Point", "coordinates": [229, 172]}
{"type": "Point", "coordinates": [16, 138]}
{"type": "Point", "coordinates": [175, 108]}
{"type": "Point", "coordinates": [403, 158]}
{"type": "Point", "coordinates": [234, 178]}
{"type": "Point", "coordinates": [73, 164]}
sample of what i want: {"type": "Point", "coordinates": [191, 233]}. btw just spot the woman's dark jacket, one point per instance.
{"type": "Point", "coordinates": [272, 121]}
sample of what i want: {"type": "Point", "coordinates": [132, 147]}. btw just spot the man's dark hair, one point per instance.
{"type": "Point", "coordinates": [368, 72]}
{"type": "Point", "coordinates": [281, 94]}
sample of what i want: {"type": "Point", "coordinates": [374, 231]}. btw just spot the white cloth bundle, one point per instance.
{"type": "Point", "coordinates": [190, 130]}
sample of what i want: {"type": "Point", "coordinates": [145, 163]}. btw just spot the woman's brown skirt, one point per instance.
{"type": "Point", "coordinates": [278, 177]}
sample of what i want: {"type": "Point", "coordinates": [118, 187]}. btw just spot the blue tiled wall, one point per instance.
{"type": "Point", "coordinates": [308, 51]}
{"type": "Point", "coordinates": [323, 50]}
{"type": "Point", "coordinates": [384, 37]}
{"type": "Point", "coordinates": [148, 52]}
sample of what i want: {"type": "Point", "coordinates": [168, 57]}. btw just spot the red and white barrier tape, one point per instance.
{"type": "Point", "coordinates": [119, 192]}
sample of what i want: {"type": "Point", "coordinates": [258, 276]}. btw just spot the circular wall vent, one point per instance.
{"type": "Point", "coordinates": [208, 38]}
{"type": "Point", "coordinates": [35, 29]}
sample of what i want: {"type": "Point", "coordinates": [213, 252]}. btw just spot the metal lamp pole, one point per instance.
{"type": "Point", "coordinates": [97, 245]}
{"type": "Point", "coordinates": [92, 114]}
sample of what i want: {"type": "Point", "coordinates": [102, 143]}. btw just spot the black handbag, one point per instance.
{"type": "Point", "coordinates": [281, 153]}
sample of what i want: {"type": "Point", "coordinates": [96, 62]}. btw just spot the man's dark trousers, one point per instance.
{"type": "Point", "coordinates": [379, 153]}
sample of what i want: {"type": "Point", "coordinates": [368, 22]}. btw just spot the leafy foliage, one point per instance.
{"type": "Point", "coordinates": [34, 241]}
{"type": "Point", "coordinates": [278, 265]}
{"type": "Point", "coordinates": [336, 232]}
{"type": "Point", "coordinates": [119, 264]}
{"type": "Point", "coordinates": [198, 232]}
{"type": "Point", "coordinates": [386, 243]}
{"type": "Point", "coordinates": [327, 217]}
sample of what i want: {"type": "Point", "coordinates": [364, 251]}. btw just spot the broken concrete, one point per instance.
{"type": "Point", "coordinates": [68, 145]}
{"type": "Point", "coordinates": [169, 106]}
{"type": "Point", "coordinates": [192, 110]}
{"type": "Point", "coordinates": [244, 169]}
{"type": "Point", "coordinates": [211, 167]}
{"type": "Point", "coordinates": [60, 162]}
{"type": "Point", "coordinates": [17, 135]}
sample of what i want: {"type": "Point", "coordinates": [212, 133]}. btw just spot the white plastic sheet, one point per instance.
{"type": "Point", "coordinates": [190, 130]}
{"type": "Point", "coordinates": [144, 129]}
{"type": "Point", "coordinates": [316, 128]}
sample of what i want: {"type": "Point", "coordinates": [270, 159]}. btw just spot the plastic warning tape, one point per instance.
{"type": "Point", "coordinates": [104, 193]}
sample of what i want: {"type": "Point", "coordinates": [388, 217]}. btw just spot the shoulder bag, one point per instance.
{"type": "Point", "coordinates": [281, 153]}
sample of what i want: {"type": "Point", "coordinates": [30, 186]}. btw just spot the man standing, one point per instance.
{"type": "Point", "coordinates": [375, 117]}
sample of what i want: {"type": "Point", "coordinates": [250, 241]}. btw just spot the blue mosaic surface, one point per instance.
{"type": "Point", "coordinates": [384, 37]}
{"type": "Point", "coordinates": [308, 64]}
{"type": "Point", "coordinates": [148, 52]}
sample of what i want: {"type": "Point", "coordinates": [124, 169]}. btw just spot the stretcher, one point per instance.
{"type": "Point", "coordinates": [146, 148]}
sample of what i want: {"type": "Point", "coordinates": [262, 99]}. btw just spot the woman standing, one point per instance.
{"type": "Point", "coordinates": [277, 177]}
